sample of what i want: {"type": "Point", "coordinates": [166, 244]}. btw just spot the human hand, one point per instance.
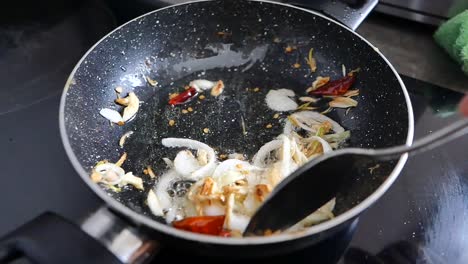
{"type": "Point", "coordinates": [464, 106]}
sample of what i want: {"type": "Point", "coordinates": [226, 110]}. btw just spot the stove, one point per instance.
{"type": "Point", "coordinates": [421, 219]}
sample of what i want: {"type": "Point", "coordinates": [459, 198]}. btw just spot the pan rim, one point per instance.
{"type": "Point", "coordinates": [168, 230]}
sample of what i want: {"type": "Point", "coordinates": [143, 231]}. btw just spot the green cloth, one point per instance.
{"type": "Point", "coordinates": [453, 37]}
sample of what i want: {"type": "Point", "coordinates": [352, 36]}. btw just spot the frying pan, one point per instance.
{"type": "Point", "coordinates": [177, 44]}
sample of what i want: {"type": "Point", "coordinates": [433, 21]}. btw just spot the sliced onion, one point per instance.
{"type": "Point", "coordinates": [259, 158]}
{"type": "Point", "coordinates": [251, 204]}
{"type": "Point", "coordinates": [288, 128]}
{"type": "Point", "coordinates": [279, 100]}
{"type": "Point", "coordinates": [337, 138]}
{"type": "Point", "coordinates": [193, 144]}
{"type": "Point", "coordinates": [111, 115]}
{"type": "Point", "coordinates": [286, 158]}
{"type": "Point", "coordinates": [185, 163]}
{"type": "Point", "coordinates": [325, 145]}
{"type": "Point", "coordinates": [310, 118]}
{"type": "Point", "coordinates": [201, 85]}
{"type": "Point", "coordinates": [238, 222]}
{"type": "Point", "coordinates": [322, 214]}
{"type": "Point", "coordinates": [230, 165]}
{"type": "Point", "coordinates": [298, 155]}
{"type": "Point", "coordinates": [153, 204]}
{"type": "Point", "coordinates": [213, 209]}
{"type": "Point", "coordinates": [229, 177]}
{"type": "Point", "coordinates": [162, 186]}
{"type": "Point", "coordinates": [171, 215]}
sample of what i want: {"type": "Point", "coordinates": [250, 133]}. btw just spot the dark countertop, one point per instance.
{"type": "Point", "coordinates": [421, 219]}
{"type": "Point", "coordinates": [412, 50]}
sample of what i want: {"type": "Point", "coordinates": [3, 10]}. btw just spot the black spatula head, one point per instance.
{"type": "Point", "coordinates": [303, 192]}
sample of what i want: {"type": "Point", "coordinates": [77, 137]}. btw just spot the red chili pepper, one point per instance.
{"type": "Point", "coordinates": [225, 233]}
{"type": "Point", "coordinates": [336, 87]}
{"type": "Point", "coordinates": [183, 96]}
{"type": "Point", "coordinates": [210, 225]}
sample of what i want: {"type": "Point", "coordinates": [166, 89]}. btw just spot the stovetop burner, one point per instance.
{"type": "Point", "coordinates": [421, 219]}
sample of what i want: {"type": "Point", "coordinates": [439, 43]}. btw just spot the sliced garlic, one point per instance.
{"type": "Point", "coordinates": [129, 178]}
{"type": "Point", "coordinates": [109, 173]}
{"type": "Point", "coordinates": [218, 88]}
{"type": "Point", "coordinates": [111, 115]}
{"type": "Point", "coordinates": [343, 102]}
{"type": "Point", "coordinates": [352, 93]}
{"type": "Point", "coordinates": [201, 85]}
{"type": "Point", "coordinates": [319, 81]}
{"type": "Point", "coordinates": [132, 107]}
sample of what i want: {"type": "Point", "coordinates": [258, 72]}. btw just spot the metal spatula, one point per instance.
{"type": "Point", "coordinates": [300, 194]}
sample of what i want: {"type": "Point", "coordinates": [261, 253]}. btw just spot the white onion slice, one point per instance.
{"type": "Point", "coordinates": [288, 128]}
{"type": "Point", "coordinates": [259, 158]}
{"type": "Point", "coordinates": [171, 215]}
{"type": "Point", "coordinates": [251, 204]}
{"type": "Point", "coordinates": [161, 188]}
{"type": "Point", "coordinates": [111, 115]}
{"type": "Point", "coordinates": [279, 100]}
{"type": "Point", "coordinates": [298, 155]}
{"type": "Point", "coordinates": [322, 214]}
{"type": "Point", "coordinates": [238, 222]}
{"type": "Point", "coordinates": [229, 177]}
{"type": "Point", "coordinates": [193, 144]}
{"type": "Point", "coordinates": [311, 117]}
{"type": "Point", "coordinates": [185, 163]}
{"type": "Point", "coordinates": [213, 209]}
{"type": "Point", "coordinates": [286, 157]}
{"type": "Point", "coordinates": [153, 204]}
{"type": "Point", "coordinates": [201, 85]}
{"type": "Point", "coordinates": [230, 165]}
{"type": "Point", "coordinates": [325, 145]}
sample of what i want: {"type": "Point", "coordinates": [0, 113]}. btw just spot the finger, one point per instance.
{"type": "Point", "coordinates": [464, 106]}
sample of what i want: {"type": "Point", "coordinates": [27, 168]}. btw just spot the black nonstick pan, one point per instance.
{"type": "Point", "coordinates": [242, 43]}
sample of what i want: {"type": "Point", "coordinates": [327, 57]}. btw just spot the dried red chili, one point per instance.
{"type": "Point", "coordinates": [336, 87]}
{"type": "Point", "coordinates": [225, 233]}
{"type": "Point", "coordinates": [210, 225]}
{"type": "Point", "coordinates": [184, 96]}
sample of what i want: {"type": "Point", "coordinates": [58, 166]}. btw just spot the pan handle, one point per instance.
{"type": "Point", "coordinates": [351, 13]}
{"type": "Point", "coordinates": [52, 239]}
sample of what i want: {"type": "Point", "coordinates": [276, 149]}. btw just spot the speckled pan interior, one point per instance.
{"type": "Point", "coordinates": [179, 44]}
